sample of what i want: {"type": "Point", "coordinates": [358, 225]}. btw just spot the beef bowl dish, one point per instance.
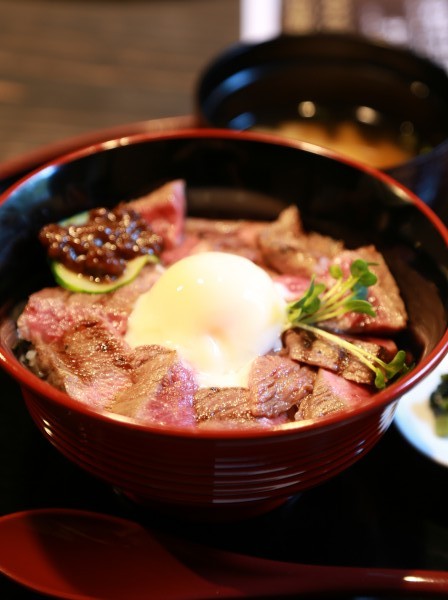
{"type": "Point", "coordinates": [213, 321]}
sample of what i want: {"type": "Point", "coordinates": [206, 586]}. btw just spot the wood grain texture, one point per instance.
{"type": "Point", "coordinates": [68, 67]}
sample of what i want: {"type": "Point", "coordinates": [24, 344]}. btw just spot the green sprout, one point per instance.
{"type": "Point", "coordinates": [348, 294]}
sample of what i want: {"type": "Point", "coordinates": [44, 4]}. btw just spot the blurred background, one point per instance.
{"type": "Point", "coordinates": [73, 66]}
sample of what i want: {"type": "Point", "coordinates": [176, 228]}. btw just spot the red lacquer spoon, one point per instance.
{"type": "Point", "coordinates": [80, 555]}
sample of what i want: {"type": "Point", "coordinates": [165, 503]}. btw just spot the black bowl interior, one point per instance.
{"type": "Point", "coordinates": [262, 83]}
{"type": "Point", "coordinates": [231, 175]}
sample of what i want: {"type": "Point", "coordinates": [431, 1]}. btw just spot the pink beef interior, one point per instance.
{"type": "Point", "coordinates": [76, 340]}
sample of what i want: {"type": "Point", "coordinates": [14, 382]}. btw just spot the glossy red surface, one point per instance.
{"type": "Point", "coordinates": [81, 555]}
{"type": "Point", "coordinates": [206, 476]}
{"type": "Point", "coordinates": [219, 475]}
{"type": "Point", "coordinates": [12, 169]}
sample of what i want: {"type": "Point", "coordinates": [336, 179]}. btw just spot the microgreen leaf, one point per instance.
{"type": "Point", "coordinates": [360, 270]}
{"type": "Point", "coordinates": [336, 271]}
{"type": "Point", "coordinates": [384, 372]}
{"type": "Point", "coordinates": [396, 365]}
{"type": "Point", "coordinates": [380, 380]}
{"type": "Point", "coordinates": [308, 304]}
{"type": "Point", "coordinates": [359, 306]}
{"type": "Point", "coordinates": [320, 303]}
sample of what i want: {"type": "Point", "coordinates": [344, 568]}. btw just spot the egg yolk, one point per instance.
{"type": "Point", "coordinates": [218, 310]}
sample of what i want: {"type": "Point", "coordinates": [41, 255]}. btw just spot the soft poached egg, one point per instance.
{"type": "Point", "coordinates": [218, 310]}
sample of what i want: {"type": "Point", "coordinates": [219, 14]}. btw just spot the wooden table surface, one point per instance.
{"type": "Point", "coordinates": [75, 67]}
{"type": "Point", "coordinates": [69, 67]}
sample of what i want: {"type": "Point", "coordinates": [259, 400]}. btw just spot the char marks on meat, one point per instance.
{"type": "Point", "coordinates": [287, 248]}
{"type": "Point", "coordinates": [96, 366]}
{"type": "Point", "coordinates": [78, 342]}
{"type": "Point", "coordinates": [305, 347]}
{"type": "Point", "coordinates": [277, 384]}
{"type": "Point", "coordinates": [162, 390]}
{"type": "Point", "coordinates": [217, 404]}
{"type": "Point", "coordinates": [88, 362]}
{"type": "Point", "coordinates": [331, 393]}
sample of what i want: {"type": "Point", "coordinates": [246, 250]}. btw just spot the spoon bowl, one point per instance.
{"type": "Point", "coordinates": [80, 555]}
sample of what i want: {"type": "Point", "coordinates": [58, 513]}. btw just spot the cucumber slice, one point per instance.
{"type": "Point", "coordinates": [76, 282]}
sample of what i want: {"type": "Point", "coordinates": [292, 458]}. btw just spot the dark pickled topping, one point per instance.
{"type": "Point", "coordinates": [101, 247]}
{"type": "Point", "coordinates": [438, 402]}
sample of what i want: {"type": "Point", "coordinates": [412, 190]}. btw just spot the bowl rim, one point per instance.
{"type": "Point", "coordinates": [290, 45]}
{"type": "Point", "coordinates": [390, 395]}
{"type": "Point", "coordinates": [216, 83]}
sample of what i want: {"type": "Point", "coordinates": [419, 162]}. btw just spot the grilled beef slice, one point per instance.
{"type": "Point", "coordinates": [204, 235]}
{"type": "Point", "coordinates": [229, 408]}
{"type": "Point", "coordinates": [97, 367]}
{"type": "Point", "coordinates": [216, 404]}
{"type": "Point", "coordinates": [276, 384]}
{"type": "Point", "coordinates": [87, 362]}
{"type": "Point", "coordinates": [164, 209]}
{"type": "Point", "coordinates": [162, 389]}
{"type": "Point", "coordinates": [287, 248]}
{"type": "Point", "coordinates": [384, 296]}
{"type": "Point", "coordinates": [235, 236]}
{"type": "Point", "coordinates": [52, 311]}
{"type": "Point", "coordinates": [297, 255]}
{"type": "Point", "coordinates": [78, 345]}
{"type": "Point", "coordinates": [307, 347]}
{"type": "Point", "coordinates": [331, 393]}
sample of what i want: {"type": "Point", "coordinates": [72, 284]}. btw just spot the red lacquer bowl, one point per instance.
{"type": "Point", "coordinates": [223, 474]}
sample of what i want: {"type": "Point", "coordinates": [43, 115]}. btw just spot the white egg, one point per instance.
{"type": "Point", "coordinates": [218, 310]}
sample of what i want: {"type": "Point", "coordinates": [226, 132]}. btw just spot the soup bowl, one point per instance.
{"type": "Point", "coordinates": [220, 474]}
{"type": "Point", "coordinates": [380, 103]}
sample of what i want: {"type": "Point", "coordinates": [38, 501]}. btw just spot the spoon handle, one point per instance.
{"type": "Point", "coordinates": [251, 577]}
{"type": "Point", "coordinates": [112, 558]}
{"type": "Point", "coordinates": [310, 579]}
